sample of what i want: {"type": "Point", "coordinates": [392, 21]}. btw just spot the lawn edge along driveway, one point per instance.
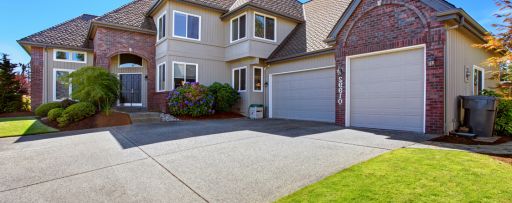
{"type": "Point", "coordinates": [21, 126]}
{"type": "Point", "coordinates": [415, 175]}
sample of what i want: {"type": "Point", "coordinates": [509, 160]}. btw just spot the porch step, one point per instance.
{"type": "Point", "coordinates": [145, 117]}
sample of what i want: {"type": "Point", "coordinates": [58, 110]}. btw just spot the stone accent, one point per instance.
{"type": "Point", "coordinates": [395, 24]}
{"type": "Point", "coordinates": [36, 83]}
{"type": "Point", "coordinates": [109, 42]}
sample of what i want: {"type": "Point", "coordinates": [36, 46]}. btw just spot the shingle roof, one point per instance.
{"type": "Point", "coordinates": [217, 4]}
{"type": "Point", "coordinates": [72, 33]}
{"type": "Point", "coordinates": [320, 18]}
{"type": "Point", "coordinates": [132, 14]}
{"type": "Point", "coordinates": [289, 8]}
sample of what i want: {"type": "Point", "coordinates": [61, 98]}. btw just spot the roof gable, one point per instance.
{"type": "Point", "coordinates": [131, 15]}
{"type": "Point", "coordinates": [439, 5]}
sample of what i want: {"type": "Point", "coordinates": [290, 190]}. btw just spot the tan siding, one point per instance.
{"type": "Point", "coordinates": [248, 97]}
{"type": "Point", "coordinates": [51, 65]}
{"type": "Point", "coordinates": [461, 54]}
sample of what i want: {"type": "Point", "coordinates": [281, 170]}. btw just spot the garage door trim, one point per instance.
{"type": "Point", "coordinates": [270, 114]}
{"type": "Point", "coordinates": [347, 80]}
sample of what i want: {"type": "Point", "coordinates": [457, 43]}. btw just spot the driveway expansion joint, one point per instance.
{"type": "Point", "coordinates": [346, 143]}
{"type": "Point", "coordinates": [161, 165]}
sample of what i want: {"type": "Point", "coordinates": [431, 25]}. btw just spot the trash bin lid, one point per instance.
{"type": "Point", "coordinates": [256, 105]}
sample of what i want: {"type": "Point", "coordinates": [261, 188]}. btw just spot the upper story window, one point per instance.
{"type": "Point", "coordinates": [238, 28]}
{"type": "Point", "coordinates": [69, 56]}
{"type": "Point", "coordinates": [264, 27]}
{"type": "Point", "coordinates": [162, 26]}
{"type": "Point", "coordinates": [187, 26]}
{"type": "Point", "coordinates": [129, 61]}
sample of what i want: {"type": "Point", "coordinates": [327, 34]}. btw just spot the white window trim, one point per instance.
{"type": "Point", "coordinates": [71, 55]}
{"type": "Point", "coordinates": [264, 27]}
{"type": "Point", "coordinates": [239, 79]}
{"type": "Point", "coordinates": [158, 27]}
{"type": "Point", "coordinates": [231, 28]}
{"type": "Point", "coordinates": [185, 73]}
{"type": "Point", "coordinates": [254, 79]}
{"type": "Point", "coordinates": [473, 78]}
{"type": "Point", "coordinates": [55, 81]}
{"type": "Point", "coordinates": [119, 62]}
{"type": "Point", "coordinates": [158, 77]}
{"type": "Point", "coordinates": [186, 25]}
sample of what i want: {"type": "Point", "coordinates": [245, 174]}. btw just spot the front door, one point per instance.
{"type": "Point", "coordinates": [131, 94]}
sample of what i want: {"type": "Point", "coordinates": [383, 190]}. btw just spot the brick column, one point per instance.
{"type": "Point", "coordinates": [36, 75]}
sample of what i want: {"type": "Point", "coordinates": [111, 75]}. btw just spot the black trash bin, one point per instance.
{"type": "Point", "coordinates": [480, 114]}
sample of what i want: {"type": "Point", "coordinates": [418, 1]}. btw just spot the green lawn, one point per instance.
{"type": "Point", "coordinates": [415, 175]}
{"type": "Point", "coordinates": [20, 126]}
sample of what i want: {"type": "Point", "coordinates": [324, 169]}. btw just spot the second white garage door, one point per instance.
{"type": "Point", "coordinates": [387, 91]}
{"type": "Point", "coordinates": [305, 95]}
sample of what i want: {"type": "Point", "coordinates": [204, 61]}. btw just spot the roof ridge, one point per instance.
{"type": "Point", "coordinates": [117, 9]}
{"type": "Point", "coordinates": [58, 25]}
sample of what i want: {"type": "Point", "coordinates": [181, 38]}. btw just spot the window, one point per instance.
{"type": "Point", "coordinates": [239, 79]}
{"type": "Point", "coordinates": [69, 56]}
{"type": "Point", "coordinates": [187, 26]}
{"type": "Point", "coordinates": [161, 77]}
{"type": "Point", "coordinates": [264, 27]}
{"type": "Point", "coordinates": [257, 79]}
{"type": "Point", "coordinates": [162, 26]}
{"type": "Point", "coordinates": [61, 89]}
{"type": "Point", "coordinates": [478, 80]}
{"type": "Point", "coordinates": [238, 28]}
{"type": "Point", "coordinates": [129, 61]}
{"type": "Point", "coordinates": [184, 73]}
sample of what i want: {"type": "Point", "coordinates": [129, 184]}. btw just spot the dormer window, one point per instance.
{"type": "Point", "coordinates": [238, 28]}
{"type": "Point", "coordinates": [264, 27]}
{"type": "Point", "coordinates": [187, 26]}
{"type": "Point", "coordinates": [130, 61]}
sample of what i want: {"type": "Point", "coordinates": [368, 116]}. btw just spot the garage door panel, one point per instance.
{"type": "Point", "coordinates": [307, 95]}
{"type": "Point", "coordinates": [387, 91]}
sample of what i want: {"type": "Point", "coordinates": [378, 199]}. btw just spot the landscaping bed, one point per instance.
{"type": "Point", "coordinates": [17, 114]}
{"type": "Point", "coordinates": [100, 120]}
{"type": "Point", "coordinates": [503, 158]}
{"type": "Point", "coordinates": [216, 116]}
{"type": "Point", "coordinates": [468, 141]}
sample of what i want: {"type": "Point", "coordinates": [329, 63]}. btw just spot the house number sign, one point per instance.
{"type": "Point", "coordinates": [340, 86]}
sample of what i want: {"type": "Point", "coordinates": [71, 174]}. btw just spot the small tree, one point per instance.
{"type": "Point", "coordinates": [501, 44]}
{"type": "Point", "coordinates": [10, 95]}
{"type": "Point", "coordinates": [95, 85]}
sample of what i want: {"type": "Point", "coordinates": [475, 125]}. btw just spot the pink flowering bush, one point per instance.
{"type": "Point", "coordinates": [192, 99]}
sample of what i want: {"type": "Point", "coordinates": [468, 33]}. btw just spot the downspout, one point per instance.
{"type": "Point", "coordinates": [461, 24]}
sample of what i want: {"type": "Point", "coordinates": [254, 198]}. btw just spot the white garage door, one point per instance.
{"type": "Point", "coordinates": [387, 91]}
{"type": "Point", "coordinates": [307, 95]}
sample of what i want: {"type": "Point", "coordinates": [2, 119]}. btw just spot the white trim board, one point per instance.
{"type": "Point", "coordinates": [270, 78]}
{"type": "Point", "coordinates": [347, 79]}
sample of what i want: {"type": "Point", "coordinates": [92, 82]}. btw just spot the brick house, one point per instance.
{"type": "Point", "coordinates": [390, 64]}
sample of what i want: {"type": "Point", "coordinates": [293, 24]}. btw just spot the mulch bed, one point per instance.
{"type": "Point", "coordinates": [468, 141]}
{"type": "Point", "coordinates": [217, 116]}
{"type": "Point", "coordinates": [100, 120]}
{"type": "Point", "coordinates": [16, 114]}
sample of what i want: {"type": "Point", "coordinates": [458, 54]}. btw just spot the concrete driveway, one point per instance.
{"type": "Point", "coordinates": [204, 161]}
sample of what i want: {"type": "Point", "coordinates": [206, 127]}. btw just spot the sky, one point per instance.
{"type": "Point", "coordinates": [20, 18]}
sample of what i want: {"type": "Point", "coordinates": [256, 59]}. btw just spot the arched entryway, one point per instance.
{"type": "Point", "coordinates": [131, 70]}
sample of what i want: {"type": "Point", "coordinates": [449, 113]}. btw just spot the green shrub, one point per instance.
{"type": "Point", "coordinates": [95, 85]}
{"type": "Point", "coordinates": [42, 111]}
{"type": "Point", "coordinates": [224, 96]}
{"type": "Point", "coordinates": [54, 114]}
{"type": "Point", "coordinates": [504, 118]}
{"type": "Point", "coordinates": [192, 99]}
{"type": "Point", "coordinates": [67, 103]}
{"type": "Point", "coordinates": [76, 112]}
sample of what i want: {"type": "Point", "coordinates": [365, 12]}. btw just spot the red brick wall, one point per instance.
{"type": "Point", "coordinates": [396, 24]}
{"type": "Point", "coordinates": [36, 83]}
{"type": "Point", "coordinates": [110, 42]}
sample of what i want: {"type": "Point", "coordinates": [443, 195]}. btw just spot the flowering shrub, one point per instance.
{"type": "Point", "coordinates": [192, 99]}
